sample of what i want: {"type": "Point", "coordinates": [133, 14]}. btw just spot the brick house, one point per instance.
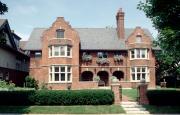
{"type": "Point", "coordinates": [13, 62]}
{"type": "Point", "coordinates": [62, 55]}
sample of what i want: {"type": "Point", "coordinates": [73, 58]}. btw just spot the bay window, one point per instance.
{"type": "Point", "coordinates": [139, 54]}
{"type": "Point", "coordinates": [60, 74]}
{"type": "Point", "coordinates": [139, 73]}
{"type": "Point", "coordinates": [60, 51]}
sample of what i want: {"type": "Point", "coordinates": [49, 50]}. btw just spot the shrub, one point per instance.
{"type": "Point", "coordinates": [16, 97]}
{"type": "Point", "coordinates": [114, 79]}
{"type": "Point", "coordinates": [53, 97]}
{"type": "Point", "coordinates": [96, 78]}
{"type": "Point", "coordinates": [31, 82]}
{"type": "Point", "coordinates": [7, 86]}
{"type": "Point", "coordinates": [74, 97]}
{"type": "Point", "coordinates": [164, 97]}
{"type": "Point", "coordinates": [44, 86]}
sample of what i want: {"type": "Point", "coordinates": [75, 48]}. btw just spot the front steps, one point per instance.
{"type": "Point", "coordinates": [133, 108]}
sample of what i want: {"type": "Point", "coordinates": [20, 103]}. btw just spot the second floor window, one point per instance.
{"type": "Point", "coordinates": [60, 33]}
{"type": "Point", "coordinates": [138, 54]}
{"type": "Point", "coordinates": [60, 51]}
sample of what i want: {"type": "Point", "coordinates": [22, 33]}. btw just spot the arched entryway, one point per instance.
{"type": "Point", "coordinates": [86, 76]}
{"type": "Point", "coordinates": [104, 77]}
{"type": "Point", "coordinates": [119, 75]}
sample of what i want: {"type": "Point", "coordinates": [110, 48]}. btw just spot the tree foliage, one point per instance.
{"type": "Point", "coordinates": [165, 15]}
{"type": "Point", "coordinates": [3, 8]}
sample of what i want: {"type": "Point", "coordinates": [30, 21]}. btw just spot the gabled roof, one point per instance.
{"type": "Point", "coordinates": [90, 38]}
{"type": "Point", "coordinates": [5, 25]}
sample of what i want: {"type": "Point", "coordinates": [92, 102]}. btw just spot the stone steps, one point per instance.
{"type": "Point", "coordinates": [133, 108]}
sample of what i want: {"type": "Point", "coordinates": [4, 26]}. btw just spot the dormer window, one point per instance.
{"type": "Point", "coordinates": [60, 33]}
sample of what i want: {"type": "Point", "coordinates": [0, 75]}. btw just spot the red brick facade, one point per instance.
{"type": "Point", "coordinates": [39, 67]}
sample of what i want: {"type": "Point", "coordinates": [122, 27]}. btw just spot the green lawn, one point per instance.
{"type": "Point", "coordinates": [84, 109]}
{"type": "Point", "coordinates": [163, 109]}
{"type": "Point", "coordinates": [131, 93]}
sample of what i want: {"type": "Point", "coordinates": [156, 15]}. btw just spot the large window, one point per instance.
{"type": "Point", "coordinates": [60, 51]}
{"type": "Point", "coordinates": [139, 54]}
{"type": "Point", "coordinates": [139, 73]}
{"type": "Point", "coordinates": [60, 74]}
{"type": "Point", "coordinates": [60, 33]}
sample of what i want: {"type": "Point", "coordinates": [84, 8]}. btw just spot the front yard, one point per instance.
{"type": "Point", "coordinates": [101, 109]}
{"type": "Point", "coordinates": [131, 93]}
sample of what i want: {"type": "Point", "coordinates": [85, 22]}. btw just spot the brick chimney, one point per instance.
{"type": "Point", "coordinates": [120, 23]}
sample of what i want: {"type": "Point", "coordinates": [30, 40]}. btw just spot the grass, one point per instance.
{"type": "Point", "coordinates": [131, 93]}
{"type": "Point", "coordinates": [101, 109]}
{"type": "Point", "coordinates": [162, 109]}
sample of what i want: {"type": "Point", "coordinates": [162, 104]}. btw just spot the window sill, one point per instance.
{"type": "Point", "coordinates": [140, 59]}
{"type": "Point", "coordinates": [61, 57]}
{"type": "Point", "coordinates": [60, 82]}
{"type": "Point", "coordinates": [134, 81]}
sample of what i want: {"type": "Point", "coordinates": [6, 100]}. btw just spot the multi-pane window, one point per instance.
{"type": "Point", "coordinates": [60, 33]}
{"type": "Point", "coordinates": [139, 54]}
{"type": "Point", "coordinates": [60, 51]}
{"type": "Point", "coordinates": [1, 76]}
{"type": "Point", "coordinates": [139, 73]}
{"type": "Point", "coordinates": [7, 76]}
{"type": "Point", "coordinates": [60, 74]}
{"type": "Point", "coordinates": [68, 51]}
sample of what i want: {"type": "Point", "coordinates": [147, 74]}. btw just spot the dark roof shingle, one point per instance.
{"type": "Point", "coordinates": [90, 38]}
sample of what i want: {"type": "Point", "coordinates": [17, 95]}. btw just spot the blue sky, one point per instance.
{"type": "Point", "coordinates": [24, 15]}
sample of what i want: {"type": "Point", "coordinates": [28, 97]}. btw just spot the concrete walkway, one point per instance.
{"type": "Point", "coordinates": [132, 107]}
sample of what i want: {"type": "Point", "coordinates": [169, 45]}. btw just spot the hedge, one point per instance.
{"type": "Point", "coordinates": [164, 97]}
{"type": "Point", "coordinates": [52, 97]}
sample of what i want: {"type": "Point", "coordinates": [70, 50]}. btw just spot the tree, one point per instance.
{"type": "Point", "coordinates": [165, 15]}
{"type": "Point", "coordinates": [3, 8]}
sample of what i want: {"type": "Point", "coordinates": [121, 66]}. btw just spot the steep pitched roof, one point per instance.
{"type": "Point", "coordinates": [34, 42]}
{"type": "Point", "coordinates": [90, 38]}
{"type": "Point", "coordinates": [5, 25]}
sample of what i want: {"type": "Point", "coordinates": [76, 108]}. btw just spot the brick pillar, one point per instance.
{"type": "Point", "coordinates": [142, 90]}
{"type": "Point", "coordinates": [115, 89]}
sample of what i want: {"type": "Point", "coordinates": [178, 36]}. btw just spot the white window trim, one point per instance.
{"type": "Point", "coordinates": [146, 74]}
{"type": "Point", "coordinates": [51, 49]}
{"type": "Point", "coordinates": [53, 74]}
{"type": "Point", "coordinates": [135, 53]}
